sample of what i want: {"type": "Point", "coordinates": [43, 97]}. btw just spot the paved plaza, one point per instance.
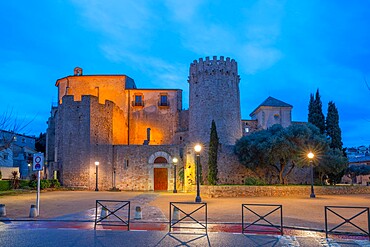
{"type": "Point", "coordinates": [72, 214]}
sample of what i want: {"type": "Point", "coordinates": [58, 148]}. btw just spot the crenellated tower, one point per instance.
{"type": "Point", "coordinates": [214, 95]}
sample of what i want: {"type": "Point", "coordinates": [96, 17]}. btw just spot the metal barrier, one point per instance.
{"type": "Point", "coordinates": [120, 210]}
{"type": "Point", "coordinates": [178, 207]}
{"type": "Point", "coordinates": [347, 220]}
{"type": "Point", "coordinates": [251, 227]}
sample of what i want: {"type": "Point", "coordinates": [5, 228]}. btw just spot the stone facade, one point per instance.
{"type": "Point", "coordinates": [135, 133]}
{"type": "Point", "coordinates": [214, 95]}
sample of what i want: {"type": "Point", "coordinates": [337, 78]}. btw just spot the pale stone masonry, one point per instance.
{"type": "Point", "coordinates": [135, 133]}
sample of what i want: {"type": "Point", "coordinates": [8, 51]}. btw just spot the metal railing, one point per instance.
{"type": "Point", "coordinates": [177, 222]}
{"type": "Point", "coordinates": [347, 221]}
{"type": "Point", "coordinates": [112, 213]}
{"type": "Point", "coordinates": [266, 224]}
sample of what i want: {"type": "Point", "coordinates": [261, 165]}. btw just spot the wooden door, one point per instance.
{"type": "Point", "coordinates": [160, 179]}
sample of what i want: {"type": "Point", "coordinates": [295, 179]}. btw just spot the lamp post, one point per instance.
{"type": "Point", "coordinates": [29, 170]}
{"type": "Point", "coordinates": [197, 150]}
{"type": "Point", "coordinates": [96, 172]}
{"type": "Point", "coordinates": [174, 160]}
{"type": "Point", "coordinates": [310, 155]}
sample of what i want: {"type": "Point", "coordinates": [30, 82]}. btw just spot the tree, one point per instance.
{"type": "Point", "coordinates": [315, 115]}
{"type": "Point", "coordinates": [356, 170]}
{"type": "Point", "coordinates": [280, 148]}
{"type": "Point", "coordinates": [9, 127]}
{"type": "Point", "coordinates": [40, 144]}
{"type": "Point", "coordinates": [332, 127]}
{"type": "Point", "coordinates": [332, 166]}
{"type": "Point", "coordinates": [212, 155]}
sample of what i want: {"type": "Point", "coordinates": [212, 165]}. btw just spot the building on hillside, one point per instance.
{"type": "Point", "coordinates": [16, 150]}
{"type": "Point", "coordinates": [135, 133]}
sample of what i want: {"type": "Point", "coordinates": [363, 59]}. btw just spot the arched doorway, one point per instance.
{"type": "Point", "coordinates": [160, 175]}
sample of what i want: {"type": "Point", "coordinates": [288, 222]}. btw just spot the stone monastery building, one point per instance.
{"type": "Point", "coordinates": [135, 133]}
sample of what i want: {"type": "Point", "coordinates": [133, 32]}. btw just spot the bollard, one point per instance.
{"type": "Point", "coordinates": [175, 214]}
{"type": "Point", "coordinates": [104, 213]}
{"type": "Point", "coordinates": [2, 210]}
{"type": "Point", "coordinates": [33, 211]}
{"type": "Point", "coordinates": [138, 215]}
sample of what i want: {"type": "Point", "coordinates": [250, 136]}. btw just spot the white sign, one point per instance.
{"type": "Point", "coordinates": [38, 162]}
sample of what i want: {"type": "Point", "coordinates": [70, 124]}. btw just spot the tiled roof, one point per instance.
{"type": "Point", "coordinates": [362, 159]}
{"type": "Point", "coordinates": [270, 101]}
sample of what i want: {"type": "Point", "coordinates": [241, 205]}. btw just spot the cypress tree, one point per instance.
{"type": "Point", "coordinates": [212, 155]}
{"type": "Point", "coordinates": [332, 127]}
{"type": "Point", "coordinates": [315, 115]}
{"type": "Point", "coordinates": [311, 108]}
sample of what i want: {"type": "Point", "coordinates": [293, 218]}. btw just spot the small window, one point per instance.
{"type": "Point", "coordinates": [138, 100]}
{"type": "Point", "coordinates": [6, 157]}
{"type": "Point", "coordinates": [246, 130]}
{"type": "Point", "coordinates": [15, 138]}
{"type": "Point", "coordinates": [23, 140]}
{"type": "Point", "coordinates": [163, 100]}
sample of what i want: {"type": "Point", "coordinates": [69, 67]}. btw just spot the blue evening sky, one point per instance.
{"type": "Point", "coordinates": [284, 49]}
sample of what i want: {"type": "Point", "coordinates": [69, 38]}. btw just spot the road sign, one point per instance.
{"type": "Point", "coordinates": [38, 162]}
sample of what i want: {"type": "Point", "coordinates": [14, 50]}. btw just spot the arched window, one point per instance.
{"type": "Point", "coordinates": [160, 160]}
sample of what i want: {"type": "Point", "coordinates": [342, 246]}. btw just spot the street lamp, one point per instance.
{"type": "Point", "coordinates": [197, 149]}
{"type": "Point", "coordinates": [310, 155]}
{"type": "Point", "coordinates": [96, 172]}
{"type": "Point", "coordinates": [29, 170]}
{"type": "Point", "coordinates": [174, 160]}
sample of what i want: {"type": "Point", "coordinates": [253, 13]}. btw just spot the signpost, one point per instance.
{"type": "Point", "coordinates": [38, 165]}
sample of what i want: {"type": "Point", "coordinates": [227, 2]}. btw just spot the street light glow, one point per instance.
{"type": "Point", "coordinates": [310, 155]}
{"type": "Point", "coordinates": [197, 148]}
{"type": "Point", "coordinates": [97, 163]}
{"type": "Point", "coordinates": [174, 160]}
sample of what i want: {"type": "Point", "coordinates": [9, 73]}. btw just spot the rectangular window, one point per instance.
{"type": "Point", "coordinates": [138, 100]}
{"type": "Point", "coordinates": [163, 100]}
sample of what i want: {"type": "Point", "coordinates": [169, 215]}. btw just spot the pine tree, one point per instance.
{"type": "Point", "coordinates": [212, 155]}
{"type": "Point", "coordinates": [315, 115]}
{"type": "Point", "coordinates": [332, 127]}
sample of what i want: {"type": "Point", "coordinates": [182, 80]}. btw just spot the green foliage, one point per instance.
{"type": "Point", "coordinates": [14, 181]}
{"type": "Point", "coordinates": [54, 183]}
{"type": "Point", "coordinates": [332, 127]}
{"type": "Point", "coordinates": [45, 183]}
{"type": "Point", "coordinates": [182, 175]}
{"type": "Point", "coordinates": [24, 184]}
{"type": "Point", "coordinates": [332, 164]}
{"type": "Point", "coordinates": [212, 155]}
{"type": "Point", "coordinates": [5, 185]}
{"type": "Point", "coordinates": [315, 115]}
{"type": "Point", "coordinates": [254, 181]}
{"type": "Point", "coordinates": [280, 149]}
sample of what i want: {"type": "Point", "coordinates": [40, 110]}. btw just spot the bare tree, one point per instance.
{"type": "Point", "coordinates": [10, 125]}
{"type": "Point", "coordinates": [367, 84]}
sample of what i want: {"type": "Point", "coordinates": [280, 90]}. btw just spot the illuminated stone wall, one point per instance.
{"type": "Point", "coordinates": [163, 121]}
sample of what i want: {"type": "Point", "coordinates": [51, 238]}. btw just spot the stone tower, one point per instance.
{"type": "Point", "coordinates": [214, 95]}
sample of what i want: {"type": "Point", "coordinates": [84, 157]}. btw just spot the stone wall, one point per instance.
{"type": "Point", "coordinates": [214, 95]}
{"type": "Point", "coordinates": [132, 165]}
{"type": "Point", "coordinates": [163, 121]}
{"type": "Point", "coordinates": [279, 191]}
